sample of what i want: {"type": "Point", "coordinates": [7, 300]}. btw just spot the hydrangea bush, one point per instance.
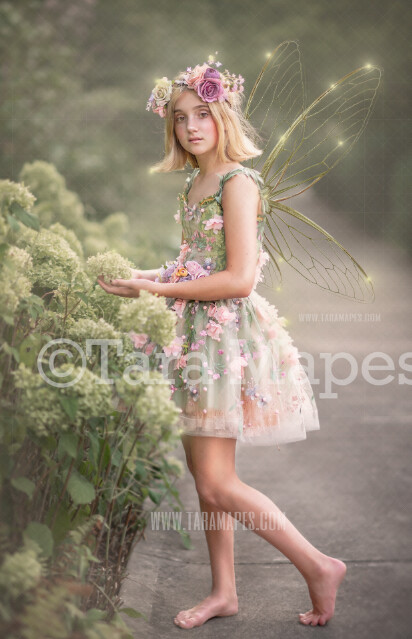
{"type": "Point", "coordinates": [84, 456]}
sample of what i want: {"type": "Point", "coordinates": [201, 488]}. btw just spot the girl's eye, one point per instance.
{"type": "Point", "coordinates": [179, 118]}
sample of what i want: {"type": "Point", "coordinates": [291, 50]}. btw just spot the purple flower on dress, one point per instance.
{"type": "Point", "coordinates": [262, 401]}
{"type": "Point", "coordinates": [208, 264]}
{"type": "Point", "coordinates": [251, 392]}
{"type": "Point", "coordinates": [194, 394]}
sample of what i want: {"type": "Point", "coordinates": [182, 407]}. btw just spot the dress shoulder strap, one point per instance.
{"type": "Point", "coordinates": [255, 175]}
{"type": "Point", "coordinates": [189, 181]}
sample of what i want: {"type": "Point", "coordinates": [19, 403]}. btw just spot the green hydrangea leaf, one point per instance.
{"type": "Point", "coordinates": [80, 489]}
{"type": "Point", "coordinates": [41, 534]}
{"type": "Point", "coordinates": [69, 405]}
{"type": "Point", "coordinates": [68, 444]}
{"type": "Point", "coordinates": [24, 484]}
{"type": "Point", "coordinates": [28, 219]}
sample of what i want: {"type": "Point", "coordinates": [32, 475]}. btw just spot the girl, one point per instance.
{"type": "Point", "coordinates": [250, 385]}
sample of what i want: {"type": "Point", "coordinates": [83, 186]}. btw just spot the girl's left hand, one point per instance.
{"type": "Point", "coordinates": [124, 288]}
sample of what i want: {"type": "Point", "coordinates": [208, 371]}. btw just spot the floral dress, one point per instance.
{"type": "Point", "coordinates": [233, 369]}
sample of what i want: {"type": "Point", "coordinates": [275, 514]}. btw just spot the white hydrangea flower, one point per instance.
{"type": "Point", "coordinates": [11, 192]}
{"type": "Point", "coordinates": [39, 400]}
{"type": "Point", "coordinates": [154, 407]}
{"type": "Point", "coordinates": [14, 285]}
{"type": "Point", "coordinates": [149, 314]}
{"type": "Point", "coordinates": [177, 465]}
{"type": "Point", "coordinates": [20, 572]}
{"type": "Point", "coordinates": [54, 262]}
{"type": "Point", "coordinates": [69, 236]}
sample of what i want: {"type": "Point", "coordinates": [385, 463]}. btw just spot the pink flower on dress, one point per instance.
{"type": "Point", "coordinates": [177, 217]}
{"type": "Point", "coordinates": [292, 355]}
{"type": "Point", "coordinates": [213, 224]}
{"type": "Point", "coordinates": [179, 306]}
{"type": "Point", "coordinates": [195, 270]}
{"type": "Point", "coordinates": [214, 330]}
{"type": "Point", "coordinates": [212, 310]}
{"type": "Point", "coordinates": [272, 332]}
{"type": "Point", "coordinates": [223, 315]}
{"type": "Point", "coordinates": [237, 364]}
{"type": "Point", "coordinates": [149, 348]}
{"type": "Point", "coordinates": [138, 339]}
{"type": "Point", "coordinates": [184, 250]}
{"type": "Point", "coordinates": [181, 362]}
{"type": "Point", "coordinates": [174, 348]}
{"type": "Point", "coordinates": [262, 259]}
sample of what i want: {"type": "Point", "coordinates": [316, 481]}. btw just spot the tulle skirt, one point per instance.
{"type": "Point", "coordinates": [234, 372]}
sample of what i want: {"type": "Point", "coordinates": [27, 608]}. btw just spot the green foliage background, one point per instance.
{"type": "Point", "coordinates": [75, 78]}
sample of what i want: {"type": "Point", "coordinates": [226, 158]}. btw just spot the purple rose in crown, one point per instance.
{"type": "Point", "coordinates": [210, 88]}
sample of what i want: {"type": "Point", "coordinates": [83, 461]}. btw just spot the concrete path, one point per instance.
{"type": "Point", "coordinates": [347, 487]}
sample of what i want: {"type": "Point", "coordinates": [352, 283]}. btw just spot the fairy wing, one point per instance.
{"type": "Point", "coordinates": [292, 237]}
{"type": "Point", "coordinates": [317, 139]}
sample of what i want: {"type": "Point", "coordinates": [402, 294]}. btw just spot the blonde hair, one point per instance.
{"type": "Point", "coordinates": [237, 138]}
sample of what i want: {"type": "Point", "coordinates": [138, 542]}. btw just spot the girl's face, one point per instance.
{"type": "Point", "coordinates": [193, 123]}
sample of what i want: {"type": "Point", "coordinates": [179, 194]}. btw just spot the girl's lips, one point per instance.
{"type": "Point", "coordinates": [195, 140]}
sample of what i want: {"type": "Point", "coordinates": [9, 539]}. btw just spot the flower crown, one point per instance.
{"type": "Point", "coordinates": [210, 84]}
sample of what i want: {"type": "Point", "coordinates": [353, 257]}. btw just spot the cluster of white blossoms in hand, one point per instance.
{"type": "Point", "coordinates": [111, 265]}
{"type": "Point", "coordinates": [149, 315]}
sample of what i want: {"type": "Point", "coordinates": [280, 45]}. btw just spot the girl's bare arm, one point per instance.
{"type": "Point", "coordinates": [150, 274]}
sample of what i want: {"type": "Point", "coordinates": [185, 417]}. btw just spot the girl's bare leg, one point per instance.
{"type": "Point", "coordinates": [223, 598]}
{"type": "Point", "coordinates": [217, 484]}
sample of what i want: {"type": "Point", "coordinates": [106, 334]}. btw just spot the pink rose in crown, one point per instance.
{"type": "Point", "coordinates": [174, 348]}
{"type": "Point", "coordinates": [213, 224]}
{"type": "Point", "coordinates": [195, 269]}
{"type": "Point", "coordinates": [138, 339]}
{"type": "Point", "coordinates": [179, 306]}
{"type": "Point", "coordinates": [211, 88]}
{"type": "Point", "coordinates": [197, 75]}
{"type": "Point", "coordinates": [160, 110]}
{"type": "Point", "coordinates": [223, 315]}
{"type": "Point", "coordinates": [214, 330]}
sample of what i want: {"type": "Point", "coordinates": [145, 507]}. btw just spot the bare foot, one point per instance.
{"type": "Point", "coordinates": [212, 606]}
{"type": "Point", "coordinates": [322, 591]}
